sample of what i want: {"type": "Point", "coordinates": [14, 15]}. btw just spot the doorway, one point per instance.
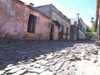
{"type": "Point", "coordinates": [51, 32]}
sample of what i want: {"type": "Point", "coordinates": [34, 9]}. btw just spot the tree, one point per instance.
{"type": "Point", "coordinates": [88, 29]}
{"type": "Point", "coordinates": [89, 32]}
{"type": "Point", "coordinates": [94, 26]}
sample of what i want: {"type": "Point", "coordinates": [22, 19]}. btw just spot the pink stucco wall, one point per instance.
{"type": "Point", "coordinates": [55, 32]}
{"type": "Point", "coordinates": [14, 17]}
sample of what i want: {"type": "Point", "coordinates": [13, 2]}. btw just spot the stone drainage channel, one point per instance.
{"type": "Point", "coordinates": [81, 59]}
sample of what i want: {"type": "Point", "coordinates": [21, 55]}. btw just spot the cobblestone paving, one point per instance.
{"type": "Point", "coordinates": [47, 57]}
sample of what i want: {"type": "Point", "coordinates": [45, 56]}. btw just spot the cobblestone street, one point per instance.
{"type": "Point", "coordinates": [49, 58]}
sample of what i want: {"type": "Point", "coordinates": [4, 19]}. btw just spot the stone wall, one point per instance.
{"type": "Point", "coordinates": [14, 17]}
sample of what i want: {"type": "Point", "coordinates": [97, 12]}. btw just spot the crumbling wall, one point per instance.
{"type": "Point", "coordinates": [14, 17]}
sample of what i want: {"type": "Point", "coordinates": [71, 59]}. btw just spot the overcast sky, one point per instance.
{"type": "Point", "coordinates": [86, 8]}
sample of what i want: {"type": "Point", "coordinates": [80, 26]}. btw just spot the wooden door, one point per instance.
{"type": "Point", "coordinates": [51, 32]}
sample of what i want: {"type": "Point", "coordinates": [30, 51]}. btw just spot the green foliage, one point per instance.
{"type": "Point", "coordinates": [88, 29]}
{"type": "Point", "coordinates": [57, 23]}
{"type": "Point", "coordinates": [89, 32]}
{"type": "Point", "coordinates": [94, 26]}
{"type": "Point", "coordinates": [60, 33]}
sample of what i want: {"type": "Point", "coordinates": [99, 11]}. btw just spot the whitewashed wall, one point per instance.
{"type": "Point", "coordinates": [81, 35]}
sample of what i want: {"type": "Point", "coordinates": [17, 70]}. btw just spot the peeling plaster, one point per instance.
{"type": "Point", "coordinates": [12, 28]}
{"type": "Point", "coordinates": [9, 9]}
{"type": "Point", "coordinates": [15, 26]}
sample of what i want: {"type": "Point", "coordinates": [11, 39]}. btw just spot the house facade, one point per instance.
{"type": "Point", "coordinates": [55, 15]}
{"type": "Point", "coordinates": [21, 21]}
{"type": "Point", "coordinates": [78, 29]}
{"type": "Point", "coordinates": [82, 29]}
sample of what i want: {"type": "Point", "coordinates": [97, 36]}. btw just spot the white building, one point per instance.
{"type": "Point", "coordinates": [78, 29]}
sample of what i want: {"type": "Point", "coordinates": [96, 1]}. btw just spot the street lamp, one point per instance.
{"type": "Point", "coordinates": [92, 20]}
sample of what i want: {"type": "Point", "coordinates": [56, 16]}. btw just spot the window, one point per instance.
{"type": "Point", "coordinates": [31, 24]}
{"type": "Point", "coordinates": [62, 30]}
{"type": "Point", "coordinates": [81, 26]}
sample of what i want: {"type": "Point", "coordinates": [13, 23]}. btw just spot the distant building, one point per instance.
{"type": "Point", "coordinates": [21, 21]}
{"type": "Point", "coordinates": [55, 15]}
{"type": "Point", "coordinates": [78, 29]}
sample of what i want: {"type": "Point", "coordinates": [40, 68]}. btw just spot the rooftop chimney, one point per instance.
{"type": "Point", "coordinates": [78, 15]}
{"type": "Point", "coordinates": [32, 5]}
{"type": "Point", "coordinates": [77, 18]}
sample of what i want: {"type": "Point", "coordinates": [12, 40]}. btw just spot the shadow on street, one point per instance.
{"type": "Point", "coordinates": [13, 51]}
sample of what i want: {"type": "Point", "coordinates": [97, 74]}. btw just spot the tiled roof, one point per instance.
{"type": "Point", "coordinates": [60, 13]}
{"type": "Point", "coordinates": [30, 6]}
{"type": "Point", "coordinates": [56, 10]}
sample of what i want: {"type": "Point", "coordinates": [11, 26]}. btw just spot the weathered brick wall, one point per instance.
{"type": "Point", "coordinates": [14, 17]}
